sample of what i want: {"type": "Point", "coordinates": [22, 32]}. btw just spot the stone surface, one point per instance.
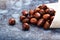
{"type": "Point", "coordinates": [15, 32]}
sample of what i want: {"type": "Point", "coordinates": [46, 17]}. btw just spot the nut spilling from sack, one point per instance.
{"type": "Point", "coordinates": [42, 16]}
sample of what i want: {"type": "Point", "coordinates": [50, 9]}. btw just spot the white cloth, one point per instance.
{"type": "Point", "coordinates": [56, 21]}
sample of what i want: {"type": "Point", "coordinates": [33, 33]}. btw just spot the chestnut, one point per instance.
{"type": "Point", "coordinates": [33, 20]}
{"type": "Point", "coordinates": [12, 21]}
{"type": "Point", "coordinates": [40, 22]}
{"type": "Point", "coordinates": [24, 12]}
{"type": "Point", "coordinates": [42, 11]}
{"type": "Point", "coordinates": [46, 25]}
{"type": "Point", "coordinates": [22, 17]}
{"type": "Point", "coordinates": [26, 20]}
{"type": "Point", "coordinates": [31, 12]}
{"type": "Point", "coordinates": [46, 16]}
{"type": "Point", "coordinates": [25, 26]}
{"type": "Point", "coordinates": [37, 15]}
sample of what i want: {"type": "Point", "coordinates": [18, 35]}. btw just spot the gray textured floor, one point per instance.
{"type": "Point", "coordinates": [15, 32]}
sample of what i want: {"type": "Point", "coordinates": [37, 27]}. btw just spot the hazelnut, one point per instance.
{"type": "Point", "coordinates": [40, 6]}
{"type": "Point", "coordinates": [22, 17]}
{"type": "Point", "coordinates": [52, 17]}
{"type": "Point", "coordinates": [25, 26]}
{"type": "Point", "coordinates": [12, 21]}
{"type": "Point", "coordinates": [26, 20]}
{"type": "Point", "coordinates": [47, 11]}
{"type": "Point", "coordinates": [50, 21]}
{"type": "Point", "coordinates": [43, 7]}
{"type": "Point", "coordinates": [24, 12]}
{"type": "Point", "coordinates": [31, 16]}
{"type": "Point", "coordinates": [31, 12]}
{"type": "Point", "coordinates": [46, 25]}
{"type": "Point", "coordinates": [37, 10]}
{"type": "Point", "coordinates": [33, 20]}
{"type": "Point", "coordinates": [40, 22]}
{"type": "Point", "coordinates": [37, 15]}
{"type": "Point", "coordinates": [42, 11]}
{"type": "Point", "coordinates": [46, 16]}
{"type": "Point", "coordinates": [50, 11]}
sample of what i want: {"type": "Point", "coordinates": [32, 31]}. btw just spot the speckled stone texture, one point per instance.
{"type": "Point", "coordinates": [13, 10]}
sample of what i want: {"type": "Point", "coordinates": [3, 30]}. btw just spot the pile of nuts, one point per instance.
{"type": "Point", "coordinates": [42, 16]}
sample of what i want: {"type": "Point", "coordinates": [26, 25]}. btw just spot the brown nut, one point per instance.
{"type": "Point", "coordinates": [50, 11]}
{"type": "Point", "coordinates": [40, 22]}
{"type": "Point", "coordinates": [24, 12]}
{"type": "Point", "coordinates": [37, 10]}
{"type": "Point", "coordinates": [12, 21]}
{"type": "Point", "coordinates": [26, 20]}
{"type": "Point", "coordinates": [25, 26]}
{"type": "Point", "coordinates": [47, 11]}
{"type": "Point", "coordinates": [33, 20]}
{"type": "Point", "coordinates": [22, 17]}
{"type": "Point", "coordinates": [37, 15]}
{"type": "Point", "coordinates": [52, 17]}
{"type": "Point", "coordinates": [46, 16]}
{"type": "Point", "coordinates": [42, 11]}
{"type": "Point", "coordinates": [46, 25]}
{"type": "Point", "coordinates": [40, 6]}
{"type": "Point", "coordinates": [43, 7]}
{"type": "Point", "coordinates": [31, 12]}
{"type": "Point", "coordinates": [50, 21]}
{"type": "Point", "coordinates": [31, 16]}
